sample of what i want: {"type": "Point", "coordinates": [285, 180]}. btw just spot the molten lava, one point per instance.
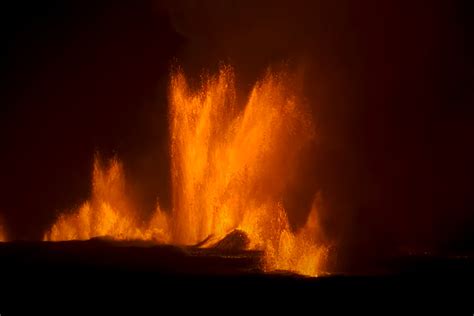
{"type": "Point", "coordinates": [231, 166]}
{"type": "Point", "coordinates": [109, 212]}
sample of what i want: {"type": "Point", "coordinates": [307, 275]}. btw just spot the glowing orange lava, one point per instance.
{"type": "Point", "coordinates": [109, 212]}
{"type": "Point", "coordinates": [231, 166]}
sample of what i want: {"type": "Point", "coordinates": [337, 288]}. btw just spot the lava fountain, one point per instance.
{"type": "Point", "coordinates": [109, 212]}
{"type": "Point", "coordinates": [231, 166]}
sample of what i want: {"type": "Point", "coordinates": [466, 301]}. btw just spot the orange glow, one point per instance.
{"type": "Point", "coordinates": [231, 166]}
{"type": "Point", "coordinates": [108, 213]}
{"type": "Point", "coordinates": [3, 236]}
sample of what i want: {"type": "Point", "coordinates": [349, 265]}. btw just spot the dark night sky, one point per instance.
{"type": "Point", "coordinates": [390, 84]}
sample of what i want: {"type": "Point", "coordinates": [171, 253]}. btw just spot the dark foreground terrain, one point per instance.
{"type": "Point", "coordinates": [82, 273]}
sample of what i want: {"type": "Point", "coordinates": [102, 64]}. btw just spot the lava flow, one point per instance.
{"type": "Point", "coordinates": [231, 166]}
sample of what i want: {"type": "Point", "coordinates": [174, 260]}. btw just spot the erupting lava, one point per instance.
{"type": "Point", "coordinates": [109, 212]}
{"type": "Point", "coordinates": [231, 166]}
